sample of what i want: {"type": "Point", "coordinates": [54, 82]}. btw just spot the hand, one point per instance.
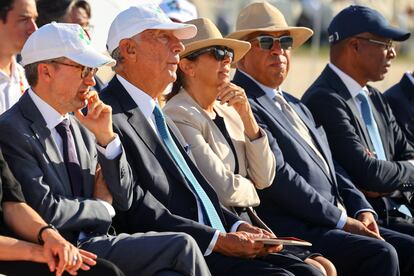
{"type": "Point", "coordinates": [59, 254]}
{"type": "Point", "coordinates": [98, 120]}
{"type": "Point", "coordinates": [356, 227]}
{"type": "Point", "coordinates": [238, 244]}
{"type": "Point", "coordinates": [246, 227]}
{"type": "Point", "coordinates": [101, 190]}
{"type": "Point", "coordinates": [262, 233]}
{"type": "Point", "coordinates": [367, 219]}
{"type": "Point", "coordinates": [235, 96]}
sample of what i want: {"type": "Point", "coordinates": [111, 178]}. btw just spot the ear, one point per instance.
{"type": "Point", "coordinates": [127, 48]}
{"type": "Point", "coordinates": [45, 72]}
{"type": "Point", "coordinates": [187, 67]}
{"type": "Point", "coordinates": [354, 44]}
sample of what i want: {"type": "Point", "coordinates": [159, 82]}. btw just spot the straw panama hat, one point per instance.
{"type": "Point", "coordinates": [263, 17]}
{"type": "Point", "coordinates": [209, 35]}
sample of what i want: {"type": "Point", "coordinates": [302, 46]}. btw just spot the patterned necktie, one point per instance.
{"type": "Point", "coordinates": [208, 208]}
{"type": "Point", "coordinates": [371, 126]}
{"type": "Point", "coordinates": [70, 157]}
{"type": "Point", "coordinates": [300, 127]}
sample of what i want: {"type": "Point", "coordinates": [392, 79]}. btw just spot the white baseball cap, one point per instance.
{"type": "Point", "coordinates": [180, 10]}
{"type": "Point", "coordinates": [146, 16]}
{"type": "Point", "coordinates": [57, 40]}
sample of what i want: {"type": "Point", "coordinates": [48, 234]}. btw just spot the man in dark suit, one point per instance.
{"type": "Point", "coordinates": [361, 128]}
{"type": "Point", "coordinates": [401, 99]}
{"type": "Point", "coordinates": [73, 171]}
{"type": "Point", "coordinates": [148, 55]}
{"type": "Point", "coordinates": [312, 198]}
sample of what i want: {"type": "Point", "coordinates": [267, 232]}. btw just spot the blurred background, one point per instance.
{"type": "Point", "coordinates": [307, 61]}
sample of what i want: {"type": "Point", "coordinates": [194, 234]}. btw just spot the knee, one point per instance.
{"type": "Point", "coordinates": [387, 253]}
{"type": "Point", "coordinates": [186, 240]}
{"type": "Point", "coordinates": [327, 265]}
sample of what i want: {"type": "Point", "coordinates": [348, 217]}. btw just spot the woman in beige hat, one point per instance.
{"type": "Point", "coordinates": [215, 118]}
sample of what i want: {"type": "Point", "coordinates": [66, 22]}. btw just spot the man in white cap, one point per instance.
{"type": "Point", "coordinates": [17, 22]}
{"type": "Point", "coordinates": [312, 197]}
{"type": "Point", "coordinates": [73, 171]}
{"type": "Point", "coordinates": [147, 45]}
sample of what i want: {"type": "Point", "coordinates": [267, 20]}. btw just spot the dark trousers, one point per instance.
{"type": "Point", "coordinates": [273, 264]}
{"type": "Point", "coordinates": [21, 268]}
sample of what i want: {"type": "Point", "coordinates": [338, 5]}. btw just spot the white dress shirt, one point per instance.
{"type": "Point", "coordinates": [12, 87]}
{"type": "Point", "coordinates": [146, 104]}
{"type": "Point", "coordinates": [410, 76]}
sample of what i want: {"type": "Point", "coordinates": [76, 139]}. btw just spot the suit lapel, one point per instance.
{"type": "Point", "coordinates": [320, 145]}
{"type": "Point", "coordinates": [143, 129]}
{"type": "Point", "coordinates": [337, 85]}
{"type": "Point", "coordinates": [258, 94]}
{"type": "Point", "coordinates": [44, 137]}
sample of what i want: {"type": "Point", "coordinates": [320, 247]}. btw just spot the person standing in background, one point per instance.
{"type": "Point", "coordinates": [17, 23]}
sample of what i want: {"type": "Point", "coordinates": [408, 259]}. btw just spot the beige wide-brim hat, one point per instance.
{"type": "Point", "coordinates": [208, 35]}
{"type": "Point", "coordinates": [263, 17]}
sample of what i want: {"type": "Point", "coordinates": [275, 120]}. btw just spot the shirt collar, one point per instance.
{"type": "Point", "coordinates": [269, 91]}
{"type": "Point", "coordinates": [51, 116]}
{"type": "Point", "coordinates": [353, 87]}
{"type": "Point", "coordinates": [410, 77]}
{"type": "Point", "coordinates": [144, 102]}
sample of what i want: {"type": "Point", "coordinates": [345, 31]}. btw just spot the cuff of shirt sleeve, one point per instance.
{"type": "Point", "coordinates": [212, 244]}
{"type": "Point", "coordinates": [108, 207]}
{"type": "Point", "coordinates": [236, 225]}
{"type": "Point", "coordinates": [342, 221]}
{"type": "Point", "coordinates": [366, 210]}
{"type": "Point", "coordinates": [112, 150]}
{"type": "Point", "coordinates": [411, 162]}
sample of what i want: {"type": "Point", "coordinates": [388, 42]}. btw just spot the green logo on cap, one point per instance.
{"type": "Point", "coordinates": [83, 36]}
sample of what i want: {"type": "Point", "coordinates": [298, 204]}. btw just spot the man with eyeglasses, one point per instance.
{"type": "Point", "coordinates": [72, 168]}
{"type": "Point", "coordinates": [361, 128]}
{"type": "Point", "coordinates": [312, 197]}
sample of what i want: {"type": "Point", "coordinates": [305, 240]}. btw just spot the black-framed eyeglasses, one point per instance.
{"type": "Point", "coordinates": [85, 71]}
{"type": "Point", "coordinates": [386, 45]}
{"type": "Point", "coordinates": [218, 52]}
{"type": "Point", "coordinates": [266, 42]}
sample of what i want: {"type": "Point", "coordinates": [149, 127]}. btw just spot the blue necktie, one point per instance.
{"type": "Point", "coordinates": [208, 209]}
{"type": "Point", "coordinates": [70, 157]}
{"type": "Point", "coordinates": [372, 127]}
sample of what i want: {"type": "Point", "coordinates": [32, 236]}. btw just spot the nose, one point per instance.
{"type": "Point", "coordinates": [31, 26]}
{"type": "Point", "coordinates": [89, 80]}
{"type": "Point", "coordinates": [276, 49]}
{"type": "Point", "coordinates": [227, 60]}
{"type": "Point", "coordinates": [176, 45]}
{"type": "Point", "coordinates": [391, 53]}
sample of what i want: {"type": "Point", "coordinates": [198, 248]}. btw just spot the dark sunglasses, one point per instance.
{"type": "Point", "coordinates": [219, 53]}
{"type": "Point", "coordinates": [266, 42]}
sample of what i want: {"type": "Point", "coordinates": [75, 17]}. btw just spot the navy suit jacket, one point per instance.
{"type": "Point", "coordinates": [153, 166]}
{"type": "Point", "coordinates": [333, 107]}
{"type": "Point", "coordinates": [401, 99]}
{"type": "Point", "coordinates": [304, 195]}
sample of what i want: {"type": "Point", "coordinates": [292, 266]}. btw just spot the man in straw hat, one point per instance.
{"type": "Point", "coordinates": [362, 131]}
{"type": "Point", "coordinates": [312, 198]}
{"type": "Point", "coordinates": [147, 45]}
{"type": "Point", "coordinates": [59, 159]}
